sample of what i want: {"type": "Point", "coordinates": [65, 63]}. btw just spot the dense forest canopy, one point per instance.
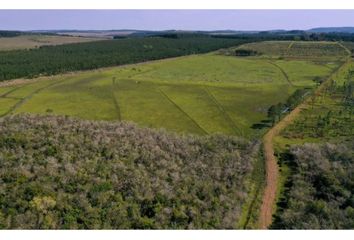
{"type": "Point", "coordinates": [10, 33]}
{"type": "Point", "coordinates": [321, 194]}
{"type": "Point", "coordinates": [57, 172]}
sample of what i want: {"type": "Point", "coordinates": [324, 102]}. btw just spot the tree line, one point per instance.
{"type": "Point", "coordinates": [276, 111]}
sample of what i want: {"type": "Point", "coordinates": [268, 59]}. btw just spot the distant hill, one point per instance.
{"type": "Point", "coordinates": [332, 29]}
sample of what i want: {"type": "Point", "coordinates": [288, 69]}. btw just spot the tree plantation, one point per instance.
{"type": "Point", "coordinates": [58, 172]}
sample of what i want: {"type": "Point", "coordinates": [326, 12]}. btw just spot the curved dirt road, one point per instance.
{"type": "Point", "coordinates": [269, 195]}
{"type": "Point", "coordinates": [265, 217]}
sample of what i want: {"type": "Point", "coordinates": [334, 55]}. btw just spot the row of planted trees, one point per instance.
{"type": "Point", "coordinates": [275, 112]}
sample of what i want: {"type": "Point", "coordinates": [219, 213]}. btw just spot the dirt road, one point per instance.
{"type": "Point", "coordinates": [269, 195]}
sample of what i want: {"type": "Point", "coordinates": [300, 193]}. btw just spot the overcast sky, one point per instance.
{"type": "Point", "coordinates": [173, 19]}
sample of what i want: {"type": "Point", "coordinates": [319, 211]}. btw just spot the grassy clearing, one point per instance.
{"type": "Point", "coordinates": [302, 73]}
{"type": "Point", "coordinates": [316, 49]}
{"type": "Point", "coordinates": [145, 104]}
{"type": "Point", "coordinates": [269, 48]}
{"type": "Point", "coordinates": [6, 104]}
{"type": "Point", "coordinates": [80, 99]}
{"type": "Point", "coordinates": [34, 41]}
{"type": "Point", "coordinates": [199, 94]}
{"type": "Point", "coordinates": [5, 90]}
{"type": "Point", "coordinates": [297, 49]}
{"type": "Point", "coordinates": [208, 69]}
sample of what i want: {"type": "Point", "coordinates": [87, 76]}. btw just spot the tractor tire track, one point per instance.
{"type": "Point", "coordinates": [283, 72]}
{"type": "Point", "coordinates": [181, 110]}
{"type": "Point", "coordinates": [223, 111]}
{"type": "Point", "coordinates": [4, 95]}
{"type": "Point", "coordinates": [115, 101]}
{"type": "Point", "coordinates": [25, 99]}
{"type": "Point", "coordinates": [345, 48]}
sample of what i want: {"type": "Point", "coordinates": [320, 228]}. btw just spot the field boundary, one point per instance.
{"type": "Point", "coordinates": [180, 109]}
{"type": "Point", "coordinates": [272, 172]}
{"type": "Point", "coordinates": [290, 45]}
{"type": "Point", "coordinates": [26, 98]}
{"type": "Point", "coordinates": [223, 111]}
{"type": "Point", "coordinates": [258, 177]}
{"type": "Point", "coordinates": [282, 71]}
{"type": "Point", "coordinates": [115, 101]}
{"type": "Point", "coordinates": [4, 95]}
{"type": "Point", "coordinates": [345, 48]}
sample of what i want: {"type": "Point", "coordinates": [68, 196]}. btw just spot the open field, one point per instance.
{"type": "Point", "coordinates": [298, 49]}
{"type": "Point", "coordinates": [199, 94]}
{"type": "Point", "coordinates": [35, 41]}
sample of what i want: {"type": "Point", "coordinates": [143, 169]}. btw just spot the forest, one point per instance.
{"type": "Point", "coordinates": [10, 33]}
{"type": "Point", "coordinates": [64, 173]}
{"type": "Point", "coordinates": [321, 193]}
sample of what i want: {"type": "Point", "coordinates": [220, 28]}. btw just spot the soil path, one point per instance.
{"type": "Point", "coordinates": [270, 191]}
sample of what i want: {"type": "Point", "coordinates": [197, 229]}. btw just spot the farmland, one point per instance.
{"type": "Point", "coordinates": [209, 108]}
{"type": "Point", "coordinates": [35, 41]}
{"type": "Point", "coordinates": [201, 94]}
{"type": "Point", "coordinates": [298, 49]}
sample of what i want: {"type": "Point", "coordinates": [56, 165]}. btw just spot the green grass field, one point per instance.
{"type": "Point", "coordinates": [199, 94]}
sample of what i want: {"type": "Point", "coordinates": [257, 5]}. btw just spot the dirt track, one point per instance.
{"type": "Point", "coordinates": [269, 195]}
{"type": "Point", "coordinates": [265, 218]}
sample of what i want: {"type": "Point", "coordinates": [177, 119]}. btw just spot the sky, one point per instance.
{"type": "Point", "coordinates": [173, 19]}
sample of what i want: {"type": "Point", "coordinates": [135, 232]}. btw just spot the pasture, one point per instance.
{"type": "Point", "coordinates": [298, 49]}
{"type": "Point", "coordinates": [198, 94]}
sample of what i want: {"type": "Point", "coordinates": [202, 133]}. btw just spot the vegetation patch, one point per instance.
{"type": "Point", "coordinates": [71, 173]}
{"type": "Point", "coordinates": [320, 190]}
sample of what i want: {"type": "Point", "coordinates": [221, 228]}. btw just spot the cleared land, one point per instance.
{"type": "Point", "coordinates": [298, 49]}
{"type": "Point", "coordinates": [34, 41]}
{"type": "Point", "coordinates": [201, 94]}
